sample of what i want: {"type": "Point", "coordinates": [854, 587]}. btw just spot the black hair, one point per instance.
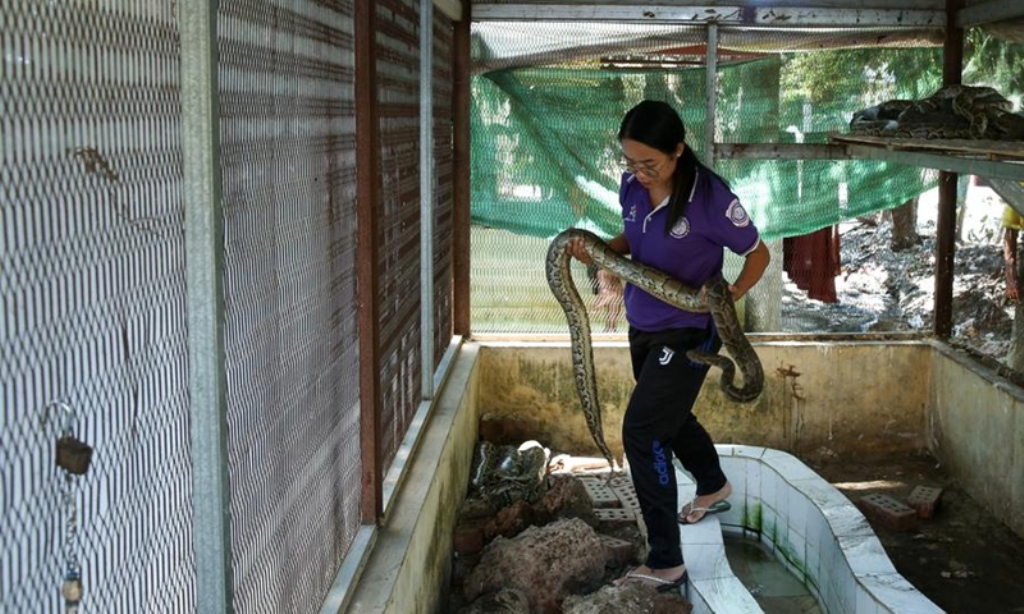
{"type": "Point", "coordinates": [657, 125]}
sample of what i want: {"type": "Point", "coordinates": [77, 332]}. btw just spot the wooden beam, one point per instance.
{"type": "Point", "coordinates": [945, 227]}
{"type": "Point", "coordinates": [780, 151]}
{"type": "Point", "coordinates": [943, 162]}
{"type": "Point", "coordinates": [988, 12]}
{"type": "Point", "coordinates": [367, 208]}
{"type": "Point", "coordinates": [747, 16]}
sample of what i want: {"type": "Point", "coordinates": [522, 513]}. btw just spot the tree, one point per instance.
{"type": "Point", "coordinates": [904, 226]}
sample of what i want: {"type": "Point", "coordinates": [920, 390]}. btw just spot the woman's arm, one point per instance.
{"type": "Point", "coordinates": [754, 266]}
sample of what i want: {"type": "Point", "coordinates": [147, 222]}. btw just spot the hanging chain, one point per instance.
{"type": "Point", "coordinates": [71, 522]}
{"type": "Point", "coordinates": [71, 588]}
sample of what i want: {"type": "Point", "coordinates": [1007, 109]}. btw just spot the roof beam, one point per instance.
{"type": "Point", "coordinates": [748, 16]}
{"type": "Point", "coordinates": [988, 12]}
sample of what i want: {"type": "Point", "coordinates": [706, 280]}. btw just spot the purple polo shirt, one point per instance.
{"type": "Point", "coordinates": [692, 252]}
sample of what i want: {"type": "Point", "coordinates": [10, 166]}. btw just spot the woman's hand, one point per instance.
{"type": "Point", "coordinates": [577, 250]}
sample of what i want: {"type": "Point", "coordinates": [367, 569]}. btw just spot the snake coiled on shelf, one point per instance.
{"type": "Point", "coordinates": [952, 112]}
{"type": "Point", "coordinates": [718, 302]}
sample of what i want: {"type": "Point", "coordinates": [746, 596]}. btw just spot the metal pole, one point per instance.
{"type": "Point", "coordinates": [461, 168]}
{"type": "Point", "coordinates": [204, 265]}
{"type": "Point", "coordinates": [427, 198]}
{"type": "Point", "coordinates": [712, 95]}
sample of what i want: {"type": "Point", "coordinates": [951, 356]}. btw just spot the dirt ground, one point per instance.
{"type": "Point", "coordinates": [963, 558]}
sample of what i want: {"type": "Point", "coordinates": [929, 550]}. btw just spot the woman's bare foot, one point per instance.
{"type": "Point", "coordinates": [701, 506]}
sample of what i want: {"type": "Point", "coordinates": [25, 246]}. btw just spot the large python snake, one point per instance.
{"type": "Point", "coordinates": [953, 112]}
{"type": "Point", "coordinates": [503, 474]}
{"type": "Point", "coordinates": [718, 302]}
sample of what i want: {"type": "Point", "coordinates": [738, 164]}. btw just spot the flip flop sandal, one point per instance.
{"type": "Point", "coordinates": [715, 508]}
{"type": "Point", "coordinates": [659, 584]}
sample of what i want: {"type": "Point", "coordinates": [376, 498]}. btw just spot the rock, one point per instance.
{"type": "Point", "coordinates": [468, 537]}
{"type": "Point", "coordinates": [462, 566]}
{"type": "Point", "coordinates": [617, 552]}
{"type": "Point", "coordinates": [567, 498]}
{"type": "Point", "coordinates": [474, 508]}
{"type": "Point", "coordinates": [509, 521]}
{"type": "Point", "coordinates": [630, 598]}
{"type": "Point", "coordinates": [504, 601]}
{"type": "Point", "coordinates": [545, 563]}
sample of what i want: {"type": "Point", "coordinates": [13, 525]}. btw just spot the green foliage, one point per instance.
{"type": "Point", "coordinates": [994, 62]}
{"type": "Point", "coordinates": [852, 76]}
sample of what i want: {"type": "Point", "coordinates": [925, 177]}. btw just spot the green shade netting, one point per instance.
{"type": "Point", "coordinates": [545, 155]}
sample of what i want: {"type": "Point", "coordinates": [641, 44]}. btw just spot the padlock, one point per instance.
{"type": "Point", "coordinates": [73, 455]}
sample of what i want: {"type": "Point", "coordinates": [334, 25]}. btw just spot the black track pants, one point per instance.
{"type": "Point", "coordinates": [659, 423]}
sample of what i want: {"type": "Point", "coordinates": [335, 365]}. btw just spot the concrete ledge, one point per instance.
{"type": "Point", "coordinates": [409, 566]}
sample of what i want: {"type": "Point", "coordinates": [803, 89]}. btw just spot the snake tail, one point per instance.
{"type": "Point", "coordinates": [559, 276]}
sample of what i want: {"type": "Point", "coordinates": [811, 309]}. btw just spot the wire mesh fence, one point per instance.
{"type": "Point", "coordinates": [93, 285]}
{"type": "Point", "coordinates": [93, 280]}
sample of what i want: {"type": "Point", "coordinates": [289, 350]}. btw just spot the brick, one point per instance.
{"type": "Point", "coordinates": [617, 552]}
{"type": "Point", "coordinates": [599, 492]}
{"type": "Point", "coordinates": [626, 493]}
{"type": "Point", "coordinates": [925, 500]}
{"type": "Point", "coordinates": [887, 511]}
{"type": "Point", "coordinates": [615, 515]}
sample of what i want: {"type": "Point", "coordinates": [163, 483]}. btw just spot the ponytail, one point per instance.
{"type": "Point", "coordinates": [683, 179]}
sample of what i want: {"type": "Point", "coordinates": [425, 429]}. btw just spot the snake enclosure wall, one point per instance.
{"type": "Point", "coordinates": [845, 397]}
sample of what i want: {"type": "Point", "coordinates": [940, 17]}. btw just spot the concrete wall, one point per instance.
{"type": "Point", "coordinates": [844, 396]}
{"type": "Point", "coordinates": [820, 396]}
{"type": "Point", "coordinates": [977, 433]}
{"type": "Point", "coordinates": [408, 569]}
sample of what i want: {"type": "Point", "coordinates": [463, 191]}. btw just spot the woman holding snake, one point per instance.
{"type": "Point", "coordinates": [678, 217]}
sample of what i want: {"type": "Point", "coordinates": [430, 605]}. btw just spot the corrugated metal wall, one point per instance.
{"type": "Point", "coordinates": [95, 302]}
{"type": "Point", "coordinates": [399, 222]}
{"type": "Point", "coordinates": [286, 79]}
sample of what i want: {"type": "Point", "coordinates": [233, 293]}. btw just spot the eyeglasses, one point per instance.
{"type": "Point", "coordinates": [648, 169]}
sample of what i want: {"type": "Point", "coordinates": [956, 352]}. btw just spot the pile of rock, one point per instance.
{"type": "Point", "coordinates": [558, 550]}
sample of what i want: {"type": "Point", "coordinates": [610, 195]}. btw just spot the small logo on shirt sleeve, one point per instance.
{"type": "Point", "coordinates": [737, 214]}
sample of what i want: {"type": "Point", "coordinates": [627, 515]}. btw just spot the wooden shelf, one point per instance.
{"type": "Point", "coordinates": [986, 158]}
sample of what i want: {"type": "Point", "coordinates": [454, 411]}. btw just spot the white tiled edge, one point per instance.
{"type": "Point", "coordinates": [808, 524]}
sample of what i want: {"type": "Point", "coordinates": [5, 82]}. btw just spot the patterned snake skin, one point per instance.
{"type": "Point", "coordinates": [502, 475]}
{"type": "Point", "coordinates": [953, 112]}
{"type": "Point", "coordinates": [719, 303]}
